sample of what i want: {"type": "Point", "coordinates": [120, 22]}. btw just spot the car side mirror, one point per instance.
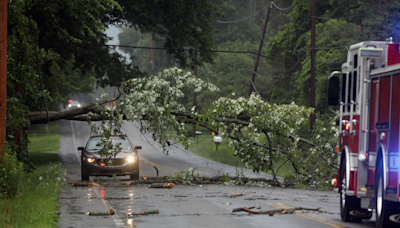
{"type": "Point", "coordinates": [138, 147]}
{"type": "Point", "coordinates": [81, 148]}
{"type": "Point", "coordinates": [333, 90]}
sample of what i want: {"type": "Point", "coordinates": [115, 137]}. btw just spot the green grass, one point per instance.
{"type": "Point", "coordinates": [224, 154]}
{"type": "Point", "coordinates": [43, 140]}
{"type": "Point", "coordinates": [37, 197]}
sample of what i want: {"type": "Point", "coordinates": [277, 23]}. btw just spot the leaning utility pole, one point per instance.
{"type": "Point", "coordinates": [312, 95]}
{"type": "Point", "coordinates": [259, 51]}
{"type": "Point", "coordinates": [152, 55]}
{"type": "Point", "coordinates": [3, 75]}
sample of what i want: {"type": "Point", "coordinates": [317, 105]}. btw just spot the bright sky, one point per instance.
{"type": "Point", "coordinates": [113, 32]}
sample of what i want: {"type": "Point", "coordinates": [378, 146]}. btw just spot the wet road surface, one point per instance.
{"type": "Point", "coordinates": [183, 205]}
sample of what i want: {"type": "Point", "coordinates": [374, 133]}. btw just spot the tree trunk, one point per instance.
{"type": "Point", "coordinates": [3, 75]}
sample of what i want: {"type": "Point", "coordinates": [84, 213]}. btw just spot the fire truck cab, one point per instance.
{"type": "Point", "coordinates": [367, 92]}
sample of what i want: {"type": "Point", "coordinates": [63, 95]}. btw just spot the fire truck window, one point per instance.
{"type": "Point", "coordinates": [343, 97]}
{"type": "Point", "coordinates": [355, 61]}
{"type": "Point", "coordinates": [349, 93]}
{"type": "Point", "coordinates": [355, 88]}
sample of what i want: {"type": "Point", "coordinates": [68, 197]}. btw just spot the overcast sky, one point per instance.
{"type": "Point", "coordinates": [113, 32]}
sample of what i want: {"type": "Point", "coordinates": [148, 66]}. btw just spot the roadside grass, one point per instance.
{"type": "Point", "coordinates": [37, 199]}
{"type": "Point", "coordinates": [206, 148]}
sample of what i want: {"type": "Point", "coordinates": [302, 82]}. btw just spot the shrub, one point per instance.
{"type": "Point", "coordinates": [11, 172]}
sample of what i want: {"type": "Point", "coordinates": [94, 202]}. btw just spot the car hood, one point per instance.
{"type": "Point", "coordinates": [96, 154]}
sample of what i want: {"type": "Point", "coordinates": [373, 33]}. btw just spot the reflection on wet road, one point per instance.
{"type": "Point", "coordinates": [183, 205]}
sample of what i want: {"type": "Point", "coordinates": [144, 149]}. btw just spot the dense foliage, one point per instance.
{"type": "Point", "coordinates": [260, 133]}
{"type": "Point", "coordinates": [10, 172]}
{"type": "Point", "coordinates": [58, 47]}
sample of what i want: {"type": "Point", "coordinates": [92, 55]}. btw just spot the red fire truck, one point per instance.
{"type": "Point", "coordinates": [367, 92]}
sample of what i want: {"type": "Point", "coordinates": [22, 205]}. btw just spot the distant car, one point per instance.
{"type": "Point", "coordinates": [125, 163]}
{"type": "Point", "coordinates": [74, 104]}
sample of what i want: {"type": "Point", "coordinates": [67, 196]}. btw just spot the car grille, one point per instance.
{"type": "Point", "coordinates": [111, 162]}
{"type": "Point", "coordinates": [111, 171]}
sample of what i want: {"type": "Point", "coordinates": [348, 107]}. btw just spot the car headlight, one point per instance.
{"type": "Point", "coordinates": [69, 106]}
{"type": "Point", "coordinates": [79, 105]}
{"type": "Point", "coordinates": [90, 160]}
{"type": "Point", "coordinates": [131, 159]}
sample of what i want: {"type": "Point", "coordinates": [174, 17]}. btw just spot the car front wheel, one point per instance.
{"type": "Point", "coordinates": [84, 173]}
{"type": "Point", "coordinates": [135, 176]}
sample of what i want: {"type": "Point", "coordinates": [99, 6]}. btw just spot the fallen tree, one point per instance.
{"type": "Point", "coordinates": [260, 133]}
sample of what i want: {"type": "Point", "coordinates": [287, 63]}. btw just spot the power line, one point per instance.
{"type": "Point", "coordinates": [210, 81]}
{"type": "Point", "coordinates": [283, 9]}
{"type": "Point", "coordinates": [182, 49]}
{"type": "Point", "coordinates": [272, 3]}
{"type": "Point", "coordinates": [261, 75]}
{"type": "Point", "coordinates": [227, 22]}
{"type": "Point", "coordinates": [258, 92]}
{"type": "Point", "coordinates": [209, 71]}
{"type": "Point", "coordinates": [337, 18]}
{"type": "Point", "coordinates": [329, 18]}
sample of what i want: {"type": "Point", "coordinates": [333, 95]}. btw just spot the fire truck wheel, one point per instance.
{"type": "Point", "coordinates": [347, 203]}
{"type": "Point", "coordinates": [381, 212]}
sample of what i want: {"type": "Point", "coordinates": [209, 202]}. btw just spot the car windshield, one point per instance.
{"type": "Point", "coordinates": [125, 145]}
{"type": "Point", "coordinates": [74, 102]}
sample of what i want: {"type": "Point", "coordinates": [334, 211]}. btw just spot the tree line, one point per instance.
{"type": "Point", "coordinates": [55, 48]}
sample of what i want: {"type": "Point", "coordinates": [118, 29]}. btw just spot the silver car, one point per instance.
{"type": "Point", "coordinates": [126, 162]}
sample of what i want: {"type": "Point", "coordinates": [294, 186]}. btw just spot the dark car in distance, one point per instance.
{"type": "Point", "coordinates": [126, 162]}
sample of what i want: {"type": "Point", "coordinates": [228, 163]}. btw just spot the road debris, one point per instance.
{"type": "Point", "coordinates": [272, 212]}
{"type": "Point", "coordinates": [156, 169]}
{"type": "Point", "coordinates": [83, 183]}
{"type": "Point", "coordinates": [132, 214]}
{"type": "Point", "coordinates": [155, 178]}
{"type": "Point", "coordinates": [151, 211]}
{"type": "Point", "coordinates": [161, 185]}
{"type": "Point", "coordinates": [236, 195]}
{"type": "Point", "coordinates": [99, 213]}
{"type": "Point", "coordinates": [71, 197]}
{"type": "Point", "coordinates": [242, 208]}
{"type": "Point", "coordinates": [116, 198]}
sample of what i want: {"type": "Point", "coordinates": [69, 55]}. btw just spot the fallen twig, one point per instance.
{"type": "Point", "coordinates": [83, 183]}
{"type": "Point", "coordinates": [151, 211]}
{"type": "Point", "coordinates": [155, 178]}
{"type": "Point", "coordinates": [116, 198]}
{"type": "Point", "coordinates": [161, 185]}
{"type": "Point", "coordinates": [156, 169]}
{"type": "Point", "coordinates": [241, 209]}
{"type": "Point", "coordinates": [132, 214]}
{"type": "Point", "coordinates": [236, 196]}
{"type": "Point", "coordinates": [72, 197]}
{"type": "Point", "coordinates": [271, 212]}
{"type": "Point", "coordinates": [96, 213]}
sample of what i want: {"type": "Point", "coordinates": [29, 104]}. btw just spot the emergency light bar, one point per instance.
{"type": "Point", "coordinates": [371, 52]}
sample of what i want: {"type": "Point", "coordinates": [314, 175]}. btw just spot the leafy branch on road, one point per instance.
{"type": "Point", "coordinates": [260, 133]}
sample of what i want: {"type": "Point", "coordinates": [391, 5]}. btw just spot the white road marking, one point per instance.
{"type": "Point", "coordinates": [116, 218]}
{"type": "Point", "coordinates": [73, 139]}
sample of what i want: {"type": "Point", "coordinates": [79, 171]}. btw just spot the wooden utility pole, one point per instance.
{"type": "Point", "coordinates": [194, 93]}
{"type": "Point", "coordinates": [259, 51]}
{"type": "Point", "coordinates": [152, 55]}
{"type": "Point", "coordinates": [3, 74]}
{"type": "Point", "coordinates": [312, 95]}
{"type": "Point", "coordinates": [140, 56]}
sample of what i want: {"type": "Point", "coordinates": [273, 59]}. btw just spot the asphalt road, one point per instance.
{"type": "Point", "coordinates": [182, 206]}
